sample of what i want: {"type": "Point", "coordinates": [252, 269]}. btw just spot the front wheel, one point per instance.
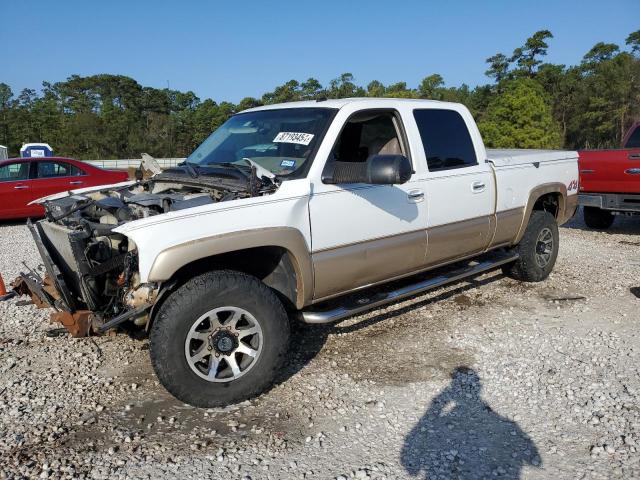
{"type": "Point", "coordinates": [219, 339]}
{"type": "Point", "coordinates": [538, 249]}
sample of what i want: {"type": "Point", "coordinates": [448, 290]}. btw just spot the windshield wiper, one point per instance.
{"type": "Point", "coordinates": [240, 168]}
{"type": "Point", "coordinates": [191, 169]}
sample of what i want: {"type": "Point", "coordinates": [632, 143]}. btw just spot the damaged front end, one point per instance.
{"type": "Point", "coordinates": [92, 280]}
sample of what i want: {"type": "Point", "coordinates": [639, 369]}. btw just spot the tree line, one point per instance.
{"type": "Point", "coordinates": [528, 103]}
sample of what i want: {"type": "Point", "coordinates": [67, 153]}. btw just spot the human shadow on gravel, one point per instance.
{"type": "Point", "coordinates": [461, 437]}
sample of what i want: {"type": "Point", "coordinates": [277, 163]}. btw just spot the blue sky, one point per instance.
{"type": "Point", "coordinates": [232, 49]}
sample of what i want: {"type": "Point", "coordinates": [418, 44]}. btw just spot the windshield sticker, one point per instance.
{"type": "Point", "coordinates": [294, 137]}
{"type": "Point", "coordinates": [288, 163]}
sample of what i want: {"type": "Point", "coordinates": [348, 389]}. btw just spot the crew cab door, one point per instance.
{"type": "Point", "coordinates": [460, 187]}
{"type": "Point", "coordinates": [54, 176]}
{"type": "Point", "coordinates": [14, 189]}
{"type": "Point", "coordinates": [363, 234]}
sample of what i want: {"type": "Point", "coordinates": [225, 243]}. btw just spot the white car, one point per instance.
{"type": "Point", "coordinates": [295, 210]}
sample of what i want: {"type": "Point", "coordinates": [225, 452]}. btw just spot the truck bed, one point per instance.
{"type": "Point", "coordinates": [518, 172]}
{"type": "Point", "coordinates": [511, 157]}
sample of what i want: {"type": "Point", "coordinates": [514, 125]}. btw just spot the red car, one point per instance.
{"type": "Point", "coordinates": [610, 181]}
{"type": "Point", "coordinates": [23, 180]}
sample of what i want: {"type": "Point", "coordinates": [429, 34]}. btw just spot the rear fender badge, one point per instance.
{"type": "Point", "coordinates": [573, 185]}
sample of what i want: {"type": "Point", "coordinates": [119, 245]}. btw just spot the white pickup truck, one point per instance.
{"type": "Point", "coordinates": [295, 210]}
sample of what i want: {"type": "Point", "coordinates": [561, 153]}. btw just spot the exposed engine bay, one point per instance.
{"type": "Point", "coordinates": [92, 278]}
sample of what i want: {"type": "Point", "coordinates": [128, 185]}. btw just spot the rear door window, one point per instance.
{"type": "Point", "coordinates": [14, 172]}
{"type": "Point", "coordinates": [445, 138]}
{"type": "Point", "coordinates": [57, 169]}
{"type": "Point", "coordinates": [76, 171]}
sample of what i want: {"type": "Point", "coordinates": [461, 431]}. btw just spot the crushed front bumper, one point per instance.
{"type": "Point", "coordinates": [64, 290]}
{"type": "Point", "coordinates": [43, 293]}
{"type": "Point", "coordinates": [52, 291]}
{"type": "Point", "coordinates": [63, 298]}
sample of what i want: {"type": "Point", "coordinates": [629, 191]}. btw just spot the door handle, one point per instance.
{"type": "Point", "coordinates": [20, 187]}
{"type": "Point", "coordinates": [477, 187]}
{"type": "Point", "coordinates": [634, 156]}
{"type": "Point", "coordinates": [633, 171]}
{"type": "Point", "coordinates": [415, 196]}
{"type": "Point", "coordinates": [76, 182]}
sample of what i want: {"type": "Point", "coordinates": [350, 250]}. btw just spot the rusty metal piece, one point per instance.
{"type": "Point", "coordinates": [21, 287]}
{"type": "Point", "coordinates": [49, 287]}
{"type": "Point", "coordinates": [37, 301]}
{"type": "Point", "coordinates": [45, 295]}
{"type": "Point", "coordinates": [77, 323]}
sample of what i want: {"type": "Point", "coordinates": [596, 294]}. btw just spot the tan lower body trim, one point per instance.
{"type": "Point", "coordinates": [508, 224]}
{"type": "Point", "coordinates": [557, 188]}
{"type": "Point", "coordinates": [169, 261]}
{"type": "Point", "coordinates": [424, 268]}
{"type": "Point", "coordinates": [460, 238]}
{"type": "Point", "coordinates": [571, 205]}
{"type": "Point", "coordinates": [346, 268]}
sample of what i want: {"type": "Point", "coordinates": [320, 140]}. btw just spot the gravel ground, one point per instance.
{"type": "Point", "coordinates": [491, 378]}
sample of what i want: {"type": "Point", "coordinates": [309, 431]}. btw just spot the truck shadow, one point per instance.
{"type": "Point", "coordinates": [622, 225]}
{"type": "Point", "coordinates": [308, 340]}
{"type": "Point", "coordinates": [460, 436]}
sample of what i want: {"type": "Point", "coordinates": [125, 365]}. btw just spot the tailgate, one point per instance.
{"type": "Point", "coordinates": [610, 171]}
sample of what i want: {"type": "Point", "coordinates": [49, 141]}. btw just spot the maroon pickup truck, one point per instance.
{"type": "Point", "coordinates": [610, 181]}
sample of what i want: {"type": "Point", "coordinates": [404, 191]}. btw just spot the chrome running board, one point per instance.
{"type": "Point", "coordinates": [361, 303]}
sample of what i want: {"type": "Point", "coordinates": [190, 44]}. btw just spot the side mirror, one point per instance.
{"type": "Point", "coordinates": [377, 170]}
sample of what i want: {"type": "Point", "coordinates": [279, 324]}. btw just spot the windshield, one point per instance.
{"type": "Point", "coordinates": [280, 141]}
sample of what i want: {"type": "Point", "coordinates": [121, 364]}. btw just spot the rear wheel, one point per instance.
{"type": "Point", "coordinates": [597, 218]}
{"type": "Point", "coordinates": [538, 249]}
{"type": "Point", "coordinates": [219, 339]}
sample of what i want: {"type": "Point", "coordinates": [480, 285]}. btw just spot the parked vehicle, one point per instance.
{"type": "Point", "coordinates": [295, 209]}
{"type": "Point", "coordinates": [23, 180]}
{"type": "Point", "coordinates": [610, 181]}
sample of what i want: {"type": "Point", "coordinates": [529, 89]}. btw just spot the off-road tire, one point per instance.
{"type": "Point", "coordinates": [195, 298]}
{"type": "Point", "coordinates": [526, 268]}
{"type": "Point", "coordinates": [597, 218]}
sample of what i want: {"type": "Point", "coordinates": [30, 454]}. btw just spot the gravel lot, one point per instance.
{"type": "Point", "coordinates": [492, 378]}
